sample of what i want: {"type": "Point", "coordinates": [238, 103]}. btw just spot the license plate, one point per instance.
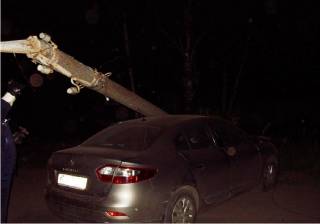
{"type": "Point", "coordinates": [75, 182]}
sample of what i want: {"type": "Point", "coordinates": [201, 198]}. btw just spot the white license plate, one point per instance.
{"type": "Point", "coordinates": [72, 181]}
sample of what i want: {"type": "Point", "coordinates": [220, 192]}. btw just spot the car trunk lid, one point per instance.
{"type": "Point", "coordinates": [81, 163]}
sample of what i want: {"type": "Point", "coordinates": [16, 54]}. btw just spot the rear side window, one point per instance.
{"type": "Point", "coordinates": [193, 136]}
{"type": "Point", "coordinates": [134, 138]}
{"type": "Point", "coordinates": [198, 137]}
{"type": "Point", "coordinates": [181, 143]}
{"type": "Point", "coordinates": [227, 134]}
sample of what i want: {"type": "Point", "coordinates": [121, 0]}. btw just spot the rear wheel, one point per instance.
{"type": "Point", "coordinates": [270, 173]}
{"type": "Point", "coordinates": [181, 208]}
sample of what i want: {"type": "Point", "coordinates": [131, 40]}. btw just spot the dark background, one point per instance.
{"type": "Point", "coordinates": [255, 62]}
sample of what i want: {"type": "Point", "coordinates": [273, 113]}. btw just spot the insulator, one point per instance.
{"type": "Point", "coordinates": [73, 90]}
{"type": "Point", "coordinates": [44, 69]}
{"type": "Point", "coordinates": [45, 37]}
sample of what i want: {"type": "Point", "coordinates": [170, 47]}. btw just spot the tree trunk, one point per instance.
{"type": "Point", "coordinates": [224, 97]}
{"type": "Point", "coordinates": [127, 49]}
{"type": "Point", "coordinates": [188, 73]}
{"type": "Point", "coordinates": [238, 78]}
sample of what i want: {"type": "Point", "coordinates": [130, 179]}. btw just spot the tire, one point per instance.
{"type": "Point", "coordinates": [182, 208]}
{"type": "Point", "coordinates": [270, 173]}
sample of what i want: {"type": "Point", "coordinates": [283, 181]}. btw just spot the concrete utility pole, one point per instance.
{"type": "Point", "coordinates": [44, 52]}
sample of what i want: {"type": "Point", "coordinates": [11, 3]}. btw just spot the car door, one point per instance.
{"type": "Point", "coordinates": [210, 167]}
{"type": "Point", "coordinates": [246, 163]}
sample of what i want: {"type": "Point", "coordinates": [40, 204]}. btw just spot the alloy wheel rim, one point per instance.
{"type": "Point", "coordinates": [183, 211]}
{"type": "Point", "coordinates": [270, 173]}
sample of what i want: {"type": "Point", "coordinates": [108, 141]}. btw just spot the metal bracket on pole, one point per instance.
{"type": "Point", "coordinates": [75, 89]}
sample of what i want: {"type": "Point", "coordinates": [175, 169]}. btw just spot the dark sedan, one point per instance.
{"type": "Point", "coordinates": [157, 169]}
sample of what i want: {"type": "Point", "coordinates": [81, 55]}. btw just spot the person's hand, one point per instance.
{"type": "Point", "coordinates": [20, 134]}
{"type": "Point", "coordinates": [15, 88]}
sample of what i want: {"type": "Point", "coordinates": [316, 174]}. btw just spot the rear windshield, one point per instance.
{"type": "Point", "coordinates": [134, 138]}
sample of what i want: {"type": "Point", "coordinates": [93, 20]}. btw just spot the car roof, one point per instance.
{"type": "Point", "coordinates": [165, 121]}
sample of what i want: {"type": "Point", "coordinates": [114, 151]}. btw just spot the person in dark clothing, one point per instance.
{"type": "Point", "coordinates": [8, 149]}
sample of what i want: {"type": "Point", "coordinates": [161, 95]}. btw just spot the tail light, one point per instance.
{"type": "Point", "coordinates": [124, 174]}
{"type": "Point", "coordinates": [115, 214]}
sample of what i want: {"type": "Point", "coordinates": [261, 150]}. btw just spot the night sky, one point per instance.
{"type": "Point", "coordinates": [270, 46]}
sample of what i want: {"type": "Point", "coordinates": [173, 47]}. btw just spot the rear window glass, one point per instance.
{"type": "Point", "coordinates": [135, 138]}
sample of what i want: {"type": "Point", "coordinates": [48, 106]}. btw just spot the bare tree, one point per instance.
{"type": "Point", "coordinates": [186, 43]}
{"type": "Point", "coordinates": [127, 50]}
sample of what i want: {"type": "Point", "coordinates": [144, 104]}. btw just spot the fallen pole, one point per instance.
{"type": "Point", "coordinates": [49, 58]}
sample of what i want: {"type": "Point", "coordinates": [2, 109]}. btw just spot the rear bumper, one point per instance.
{"type": "Point", "coordinates": [74, 213]}
{"type": "Point", "coordinates": [79, 208]}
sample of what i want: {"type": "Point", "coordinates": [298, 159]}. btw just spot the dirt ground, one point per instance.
{"type": "Point", "coordinates": [295, 199]}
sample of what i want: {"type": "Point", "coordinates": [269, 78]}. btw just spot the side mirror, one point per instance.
{"type": "Point", "coordinates": [231, 151]}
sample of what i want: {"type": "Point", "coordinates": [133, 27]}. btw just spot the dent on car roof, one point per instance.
{"type": "Point", "coordinates": [162, 121]}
